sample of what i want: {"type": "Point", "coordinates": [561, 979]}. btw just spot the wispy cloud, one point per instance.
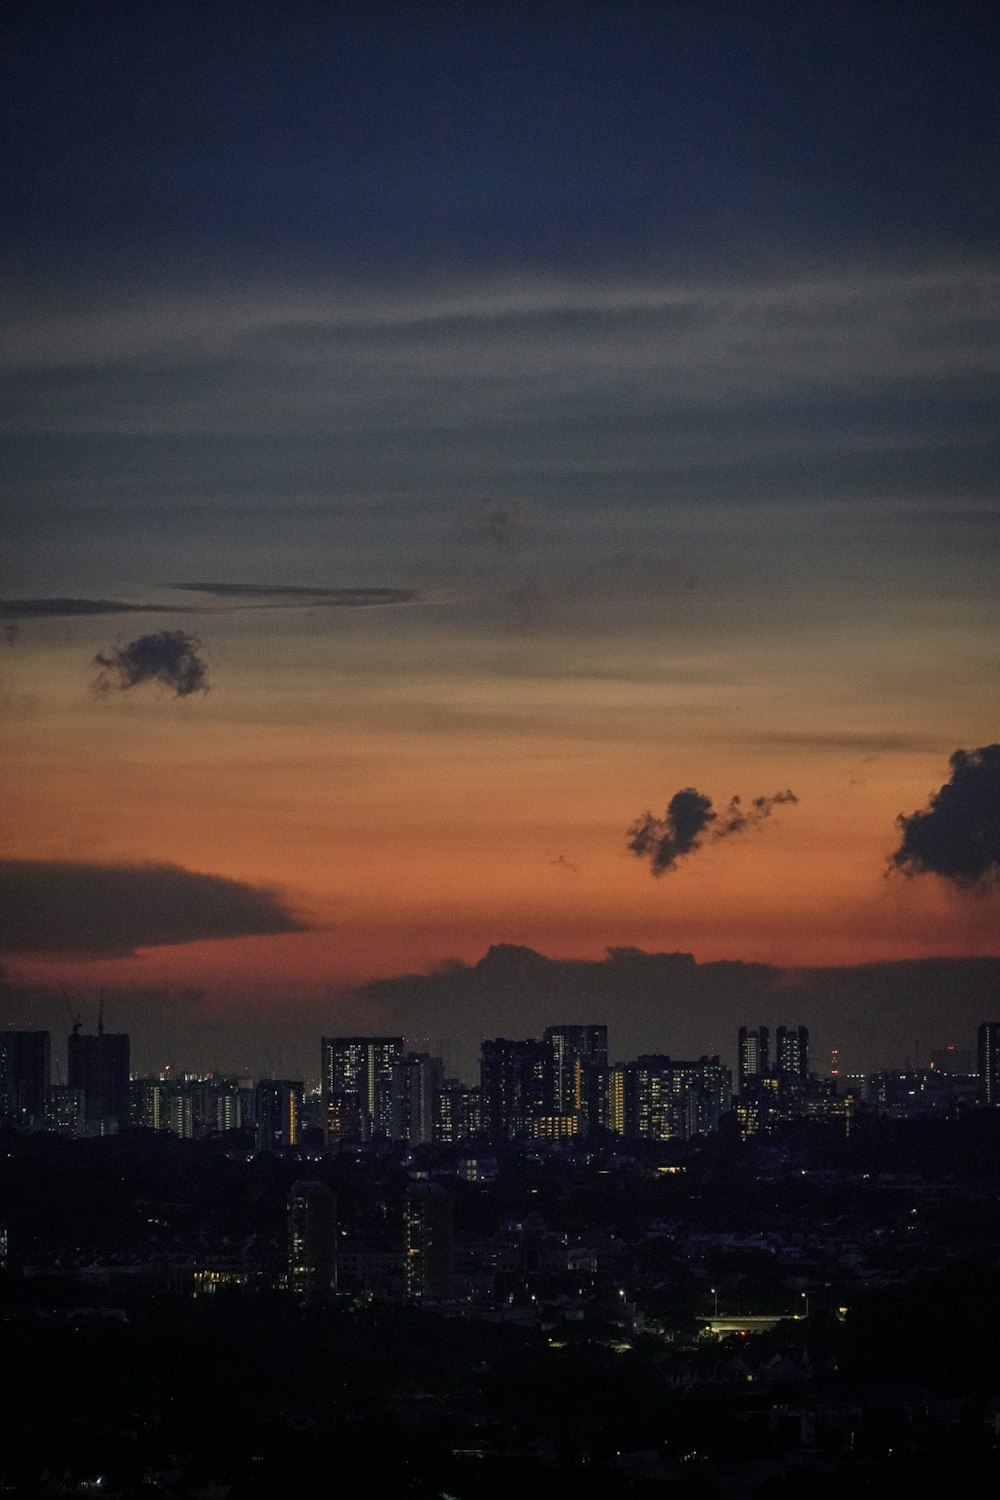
{"type": "Point", "coordinates": [274, 596]}
{"type": "Point", "coordinates": [291, 595]}
{"type": "Point", "coordinates": [912, 305]}
{"type": "Point", "coordinates": [57, 609]}
{"type": "Point", "coordinates": [507, 350]}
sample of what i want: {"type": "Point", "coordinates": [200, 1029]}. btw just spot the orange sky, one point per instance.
{"type": "Point", "coordinates": [421, 783]}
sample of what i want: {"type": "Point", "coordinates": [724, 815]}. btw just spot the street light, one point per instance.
{"type": "Point", "coordinates": [715, 1296]}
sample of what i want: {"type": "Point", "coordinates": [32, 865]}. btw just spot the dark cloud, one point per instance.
{"type": "Point", "coordinates": [665, 840]}
{"type": "Point", "coordinates": [666, 1002]}
{"type": "Point", "coordinates": [58, 609]}
{"type": "Point", "coordinates": [168, 657]}
{"type": "Point", "coordinates": [59, 907]}
{"type": "Point", "coordinates": [958, 835]}
{"type": "Point", "coordinates": [690, 820]}
{"type": "Point", "coordinates": [295, 594]}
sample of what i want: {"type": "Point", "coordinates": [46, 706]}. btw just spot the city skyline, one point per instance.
{"type": "Point", "coordinates": [501, 481]}
{"type": "Point", "coordinates": [561, 1090]}
{"type": "Point", "coordinates": [364, 1064]}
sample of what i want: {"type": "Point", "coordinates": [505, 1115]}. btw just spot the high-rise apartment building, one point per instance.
{"type": "Point", "coordinates": [427, 1241]}
{"type": "Point", "coordinates": [703, 1093]}
{"type": "Point", "coordinates": [232, 1103]}
{"type": "Point", "coordinates": [99, 1067]}
{"type": "Point", "coordinates": [514, 1079]}
{"type": "Point", "coordinates": [754, 1054]}
{"type": "Point", "coordinates": [792, 1054]}
{"type": "Point", "coordinates": [64, 1110]}
{"type": "Point", "coordinates": [988, 1040]}
{"type": "Point", "coordinates": [654, 1098]}
{"type": "Point", "coordinates": [621, 1099]}
{"type": "Point", "coordinates": [312, 1241]}
{"type": "Point", "coordinates": [24, 1077]}
{"type": "Point", "coordinates": [148, 1103]}
{"type": "Point", "coordinates": [577, 1056]}
{"type": "Point", "coordinates": [278, 1111]}
{"type": "Point", "coordinates": [357, 1075]}
{"type": "Point", "coordinates": [457, 1112]}
{"type": "Point", "coordinates": [677, 1100]}
{"type": "Point", "coordinates": [417, 1081]}
{"type": "Point", "coordinates": [180, 1116]}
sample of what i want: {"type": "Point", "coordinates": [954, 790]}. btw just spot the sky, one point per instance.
{"type": "Point", "coordinates": [434, 437]}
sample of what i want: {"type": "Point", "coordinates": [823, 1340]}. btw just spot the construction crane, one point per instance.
{"type": "Point", "coordinates": [75, 1021]}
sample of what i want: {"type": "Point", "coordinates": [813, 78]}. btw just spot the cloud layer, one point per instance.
{"type": "Point", "coordinates": [667, 1002]}
{"type": "Point", "coordinates": [499, 379]}
{"type": "Point", "coordinates": [64, 908]}
{"type": "Point", "coordinates": [690, 820]}
{"type": "Point", "coordinates": [58, 609]}
{"type": "Point", "coordinates": [291, 594]}
{"type": "Point", "coordinates": [957, 836]}
{"type": "Point", "coordinates": [168, 657]}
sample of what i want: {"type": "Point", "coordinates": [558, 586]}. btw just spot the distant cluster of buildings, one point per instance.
{"type": "Point", "coordinates": [550, 1088]}
{"type": "Point", "coordinates": [317, 1262]}
{"type": "Point", "coordinates": [93, 1101]}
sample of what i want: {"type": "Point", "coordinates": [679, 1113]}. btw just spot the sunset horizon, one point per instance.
{"type": "Point", "coordinates": [492, 483]}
